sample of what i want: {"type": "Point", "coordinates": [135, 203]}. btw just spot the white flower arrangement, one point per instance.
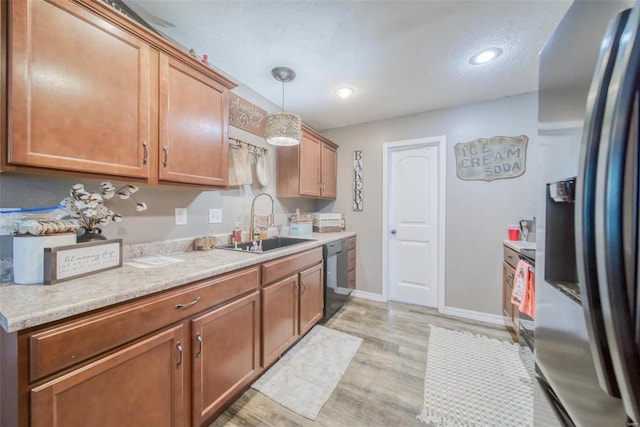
{"type": "Point", "coordinates": [89, 208]}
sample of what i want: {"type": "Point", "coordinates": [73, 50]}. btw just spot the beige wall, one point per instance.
{"type": "Point", "coordinates": [477, 212]}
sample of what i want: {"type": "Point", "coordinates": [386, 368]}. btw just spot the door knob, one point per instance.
{"type": "Point", "coordinates": [393, 231]}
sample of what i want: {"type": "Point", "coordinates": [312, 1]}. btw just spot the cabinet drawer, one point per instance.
{"type": "Point", "coordinates": [510, 257]}
{"type": "Point", "coordinates": [282, 267]}
{"type": "Point", "coordinates": [352, 243]}
{"type": "Point", "coordinates": [351, 259]}
{"type": "Point", "coordinates": [65, 345]}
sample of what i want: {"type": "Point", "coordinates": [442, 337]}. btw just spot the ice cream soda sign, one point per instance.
{"type": "Point", "coordinates": [492, 158]}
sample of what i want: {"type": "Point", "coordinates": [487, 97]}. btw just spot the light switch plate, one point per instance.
{"type": "Point", "coordinates": [181, 216]}
{"type": "Point", "coordinates": [215, 216]}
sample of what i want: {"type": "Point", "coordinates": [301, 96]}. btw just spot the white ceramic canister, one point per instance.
{"type": "Point", "coordinates": [28, 255]}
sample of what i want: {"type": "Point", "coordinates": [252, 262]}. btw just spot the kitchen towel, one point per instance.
{"type": "Point", "coordinates": [523, 294]}
{"type": "Point", "coordinates": [262, 170]}
{"type": "Point", "coordinates": [239, 166]}
{"type": "Point", "coordinates": [528, 303]}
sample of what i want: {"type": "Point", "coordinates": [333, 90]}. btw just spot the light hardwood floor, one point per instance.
{"type": "Point", "coordinates": [384, 383]}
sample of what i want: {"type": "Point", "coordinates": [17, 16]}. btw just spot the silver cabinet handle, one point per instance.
{"type": "Point", "coordinates": [145, 145]}
{"type": "Point", "coordinates": [187, 305]}
{"type": "Point", "coordinates": [199, 339]}
{"type": "Point", "coordinates": [179, 347]}
{"type": "Point", "coordinates": [165, 150]}
{"type": "Point", "coordinates": [303, 286]}
{"type": "Point", "coordinates": [393, 231]}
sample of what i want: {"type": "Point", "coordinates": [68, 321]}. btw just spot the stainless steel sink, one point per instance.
{"type": "Point", "coordinates": [266, 245]}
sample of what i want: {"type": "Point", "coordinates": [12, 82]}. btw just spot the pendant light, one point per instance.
{"type": "Point", "coordinates": [283, 128]}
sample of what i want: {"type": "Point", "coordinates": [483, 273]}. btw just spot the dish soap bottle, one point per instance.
{"type": "Point", "coordinates": [237, 234]}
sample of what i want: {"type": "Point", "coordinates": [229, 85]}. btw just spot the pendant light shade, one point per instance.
{"type": "Point", "coordinates": [283, 128]}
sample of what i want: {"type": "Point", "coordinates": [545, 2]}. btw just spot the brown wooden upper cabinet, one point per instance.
{"type": "Point", "coordinates": [91, 91]}
{"type": "Point", "coordinates": [193, 126]}
{"type": "Point", "coordinates": [308, 169]}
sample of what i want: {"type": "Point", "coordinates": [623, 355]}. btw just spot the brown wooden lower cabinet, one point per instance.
{"type": "Point", "coordinates": [279, 318]}
{"type": "Point", "coordinates": [311, 297]}
{"type": "Point", "coordinates": [510, 312]}
{"type": "Point", "coordinates": [142, 384]}
{"type": "Point", "coordinates": [290, 308]}
{"type": "Point", "coordinates": [175, 358]}
{"type": "Point", "coordinates": [226, 354]}
{"type": "Point", "coordinates": [351, 264]}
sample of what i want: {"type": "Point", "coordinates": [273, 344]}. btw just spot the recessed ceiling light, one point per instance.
{"type": "Point", "coordinates": [345, 92]}
{"type": "Point", "coordinates": [485, 56]}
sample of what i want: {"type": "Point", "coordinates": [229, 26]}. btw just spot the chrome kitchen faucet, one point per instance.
{"type": "Point", "coordinates": [252, 232]}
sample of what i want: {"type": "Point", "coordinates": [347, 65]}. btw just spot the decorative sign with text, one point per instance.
{"type": "Point", "coordinates": [486, 159]}
{"type": "Point", "coordinates": [357, 180]}
{"type": "Point", "coordinates": [246, 116]}
{"type": "Point", "coordinates": [73, 261]}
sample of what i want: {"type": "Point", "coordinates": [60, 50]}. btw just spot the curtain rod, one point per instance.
{"type": "Point", "coordinates": [253, 148]}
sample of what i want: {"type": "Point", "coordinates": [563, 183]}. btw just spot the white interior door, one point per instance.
{"type": "Point", "coordinates": [413, 225]}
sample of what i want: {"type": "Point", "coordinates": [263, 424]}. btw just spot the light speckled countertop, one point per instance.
{"type": "Point", "coordinates": [24, 306]}
{"type": "Point", "coordinates": [516, 245]}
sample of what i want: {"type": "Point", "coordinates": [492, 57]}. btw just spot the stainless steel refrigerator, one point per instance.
{"type": "Point", "coordinates": [587, 321]}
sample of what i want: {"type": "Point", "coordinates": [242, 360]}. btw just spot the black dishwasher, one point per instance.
{"type": "Point", "coordinates": [336, 276]}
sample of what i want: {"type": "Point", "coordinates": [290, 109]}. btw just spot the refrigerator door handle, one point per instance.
{"type": "Point", "coordinates": [615, 279]}
{"type": "Point", "coordinates": [585, 204]}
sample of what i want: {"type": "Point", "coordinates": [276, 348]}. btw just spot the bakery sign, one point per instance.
{"type": "Point", "coordinates": [246, 116]}
{"type": "Point", "coordinates": [486, 159]}
{"type": "Point", "coordinates": [357, 180]}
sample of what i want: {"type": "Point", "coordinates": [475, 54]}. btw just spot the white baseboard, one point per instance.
{"type": "Point", "coordinates": [450, 311]}
{"type": "Point", "coordinates": [474, 315]}
{"type": "Point", "coordinates": [368, 295]}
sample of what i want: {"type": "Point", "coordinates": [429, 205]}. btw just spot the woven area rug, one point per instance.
{"type": "Point", "coordinates": [304, 378]}
{"type": "Point", "coordinates": [473, 380]}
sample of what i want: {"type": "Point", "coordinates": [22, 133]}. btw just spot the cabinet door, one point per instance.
{"type": "Point", "coordinates": [311, 297]}
{"type": "Point", "coordinates": [329, 171]}
{"type": "Point", "coordinates": [279, 318]}
{"type": "Point", "coordinates": [510, 312]}
{"type": "Point", "coordinates": [193, 126]}
{"type": "Point", "coordinates": [141, 384]}
{"type": "Point", "coordinates": [226, 354]}
{"type": "Point", "coordinates": [79, 91]}
{"type": "Point", "coordinates": [351, 264]}
{"type": "Point", "coordinates": [310, 168]}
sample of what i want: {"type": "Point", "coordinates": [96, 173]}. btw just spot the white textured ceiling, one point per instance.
{"type": "Point", "coordinates": [401, 57]}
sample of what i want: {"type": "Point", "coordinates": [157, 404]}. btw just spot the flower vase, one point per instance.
{"type": "Point", "coordinates": [90, 235]}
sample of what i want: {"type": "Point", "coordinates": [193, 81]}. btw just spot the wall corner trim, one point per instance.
{"type": "Point", "coordinates": [474, 315]}
{"type": "Point", "coordinates": [368, 295]}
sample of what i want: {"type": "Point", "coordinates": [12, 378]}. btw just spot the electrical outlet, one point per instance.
{"type": "Point", "coordinates": [215, 216]}
{"type": "Point", "coordinates": [181, 216]}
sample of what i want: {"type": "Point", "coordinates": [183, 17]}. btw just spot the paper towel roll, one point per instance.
{"type": "Point", "coordinates": [28, 255]}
